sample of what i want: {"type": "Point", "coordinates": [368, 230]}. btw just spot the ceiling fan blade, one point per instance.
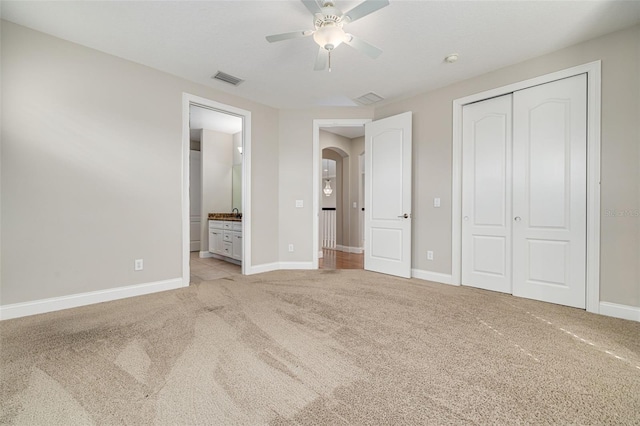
{"type": "Point", "coordinates": [322, 60]}
{"type": "Point", "coordinates": [313, 6]}
{"type": "Point", "coordinates": [364, 47]}
{"type": "Point", "coordinates": [288, 36]}
{"type": "Point", "coordinates": [365, 8]}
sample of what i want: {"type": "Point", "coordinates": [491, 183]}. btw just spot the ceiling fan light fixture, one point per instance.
{"type": "Point", "coordinates": [329, 36]}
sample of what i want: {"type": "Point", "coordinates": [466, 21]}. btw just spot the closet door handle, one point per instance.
{"type": "Point", "coordinates": [517, 218]}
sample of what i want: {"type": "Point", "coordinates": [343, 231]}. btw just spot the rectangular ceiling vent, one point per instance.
{"type": "Point", "coordinates": [368, 99]}
{"type": "Point", "coordinates": [227, 78]}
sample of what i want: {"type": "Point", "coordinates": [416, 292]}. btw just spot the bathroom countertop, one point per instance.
{"type": "Point", "coordinates": [231, 217]}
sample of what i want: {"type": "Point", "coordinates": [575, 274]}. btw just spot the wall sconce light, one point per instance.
{"type": "Point", "coordinates": [327, 188]}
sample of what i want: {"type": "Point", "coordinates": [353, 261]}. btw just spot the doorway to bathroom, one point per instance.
{"type": "Point", "coordinates": [216, 189]}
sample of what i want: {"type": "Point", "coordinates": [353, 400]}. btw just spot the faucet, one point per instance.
{"type": "Point", "coordinates": [237, 211]}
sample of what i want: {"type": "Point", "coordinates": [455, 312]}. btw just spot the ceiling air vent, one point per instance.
{"type": "Point", "coordinates": [368, 99]}
{"type": "Point", "coordinates": [227, 78]}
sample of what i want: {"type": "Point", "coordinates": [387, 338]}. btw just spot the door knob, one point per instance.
{"type": "Point", "coordinates": [405, 216]}
{"type": "Point", "coordinates": [517, 218]}
{"type": "Point", "coordinates": [466, 218]}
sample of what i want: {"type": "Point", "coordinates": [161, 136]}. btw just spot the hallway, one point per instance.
{"type": "Point", "coordinates": [335, 259]}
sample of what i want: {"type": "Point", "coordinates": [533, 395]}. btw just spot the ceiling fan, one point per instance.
{"type": "Point", "coordinates": [328, 30]}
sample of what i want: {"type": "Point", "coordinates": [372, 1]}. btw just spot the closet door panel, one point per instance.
{"type": "Point", "coordinates": [549, 192]}
{"type": "Point", "coordinates": [486, 194]}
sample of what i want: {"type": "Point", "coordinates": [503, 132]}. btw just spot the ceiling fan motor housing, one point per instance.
{"type": "Point", "coordinates": [329, 33]}
{"type": "Point", "coordinates": [328, 30]}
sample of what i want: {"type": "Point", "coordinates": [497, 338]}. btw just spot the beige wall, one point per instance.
{"type": "Point", "coordinates": [92, 169]}
{"type": "Point", "coordinates": [91, 166]}
{"type": "Point", "coordinates": [295, 160]}
{"type": "Point", "coordinates": [620, 236]}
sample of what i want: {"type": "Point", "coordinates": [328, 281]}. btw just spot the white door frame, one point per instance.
{"type": "Point", "coordinates": [315, 170]}
{"type": "Point", "coordinates": [593, 71]}
{"type": "Point", "coordinates": [187, 100]}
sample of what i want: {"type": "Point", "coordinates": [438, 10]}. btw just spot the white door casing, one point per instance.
{"type": "Point", "coordinates": [533, 199]}
{"type": "Point", "coordinates": [486, 194]}
{"type": "Point", "coordinates": [388, 145]}
{"type": "Point", "coordinates": [594, 95]}
{"type": "Point", "coordinates": [550, 192]}
{"type": "Point", "coordinates": [195, 200]}
{"type": "Point", "coordinates": [187, 100]}
{"type": "Point", "coordinates": [317, 175]}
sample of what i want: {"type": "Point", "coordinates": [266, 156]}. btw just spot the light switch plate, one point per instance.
{"type": "Point", "coordinates": [436, 202]}
{"type": "Point", "coordinates": [299, 204]}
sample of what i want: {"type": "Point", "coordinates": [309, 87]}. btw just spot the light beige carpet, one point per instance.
{"type": "Point", "coordinates": [320, 347]}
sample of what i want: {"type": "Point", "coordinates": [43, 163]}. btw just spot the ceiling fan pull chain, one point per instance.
{"type": "Point", "coordinates": [329, 61]}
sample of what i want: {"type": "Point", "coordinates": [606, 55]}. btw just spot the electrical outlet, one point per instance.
{"type": "Point", "coordinates": [138, 265]}
{"type": "Point", "coordinates": [291, 248]}
{"type": "Point", "coordinates": [299, 204]}
{"type": "Point", "coordinates": [355, 205]}
{"type": "Point", "coordinates": [429, 255]}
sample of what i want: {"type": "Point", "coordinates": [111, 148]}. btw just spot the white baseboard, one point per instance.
{"type": "Point", "coordinates": [259, 269]}
{"type": "Point", "coordinates": [42, 306]}
{"type": "Point", "coordinates": [347, 249]}
{"type": "Point", "coordinates": [296, 265]}
{"type": "Point", "coordinates": [620, 311]}
{"type": "Point", "coordinates": [205, 254]}
{"type": "Point", "coordinates": [435, 277]}
{"type": "Point", "coordinates": [276, 266]}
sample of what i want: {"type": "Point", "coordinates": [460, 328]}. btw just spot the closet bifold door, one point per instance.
{"type": "Point", "coordinates": [549, 192]}
{"type": "Point", "coordinates": [486, 194]}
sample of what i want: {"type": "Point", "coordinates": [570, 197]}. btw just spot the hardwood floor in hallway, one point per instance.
{"type": "Point", "coordinates": [335, 259]}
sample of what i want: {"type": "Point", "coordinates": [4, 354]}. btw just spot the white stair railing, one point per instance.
{"type": "Point", "coordinates": [328, 223]}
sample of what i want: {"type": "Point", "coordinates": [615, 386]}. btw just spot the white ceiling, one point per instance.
{"type": "Point", "coordinates": [203, 118]}
{"type": "Point", "coordinates": [349, 132]}
{"type": "Point", "coordinates": [194, 39]}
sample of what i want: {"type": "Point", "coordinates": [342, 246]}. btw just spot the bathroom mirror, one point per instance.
{"type": "Point", "coordinates": [236, 187]}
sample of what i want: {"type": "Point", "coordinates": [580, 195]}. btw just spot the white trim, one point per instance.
{"type": "Point", "coordinates": [265, 267]}
{"type": "Point", "coordinates": [296, 265]}
{"type": "Point", "coordinates": [279, 266]}
{"type": "Point", "coordinates": [435, 277]}
{"type": "Point", "coordinates": [205, 254]}
{"type": "Point", "coordinates": [315, 170]}
{"type": "Point", "coordinates": [186, 216]}
{"type": "Point", "coordinates": [187, 100]}
{"type": "Point", "coordinates": [620, 311]}
{"type": "Point", "coordinates": [42, 306]}
{"type": "Point", "coordinates": [594, 96]}
{"type": "Point", "coordinates": [593, 71]}
{"type": "Point", "coordinates": [347, 249]}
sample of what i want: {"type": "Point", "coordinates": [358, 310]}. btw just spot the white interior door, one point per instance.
{"type": "Point", "coordinates": [486, 194]}
{"type": "Point", "coordinates": [549, 198]}
{"type": "Point", "coordinates": [388, 195]}
{"type": "Point", "coordinates": [195, 200]}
